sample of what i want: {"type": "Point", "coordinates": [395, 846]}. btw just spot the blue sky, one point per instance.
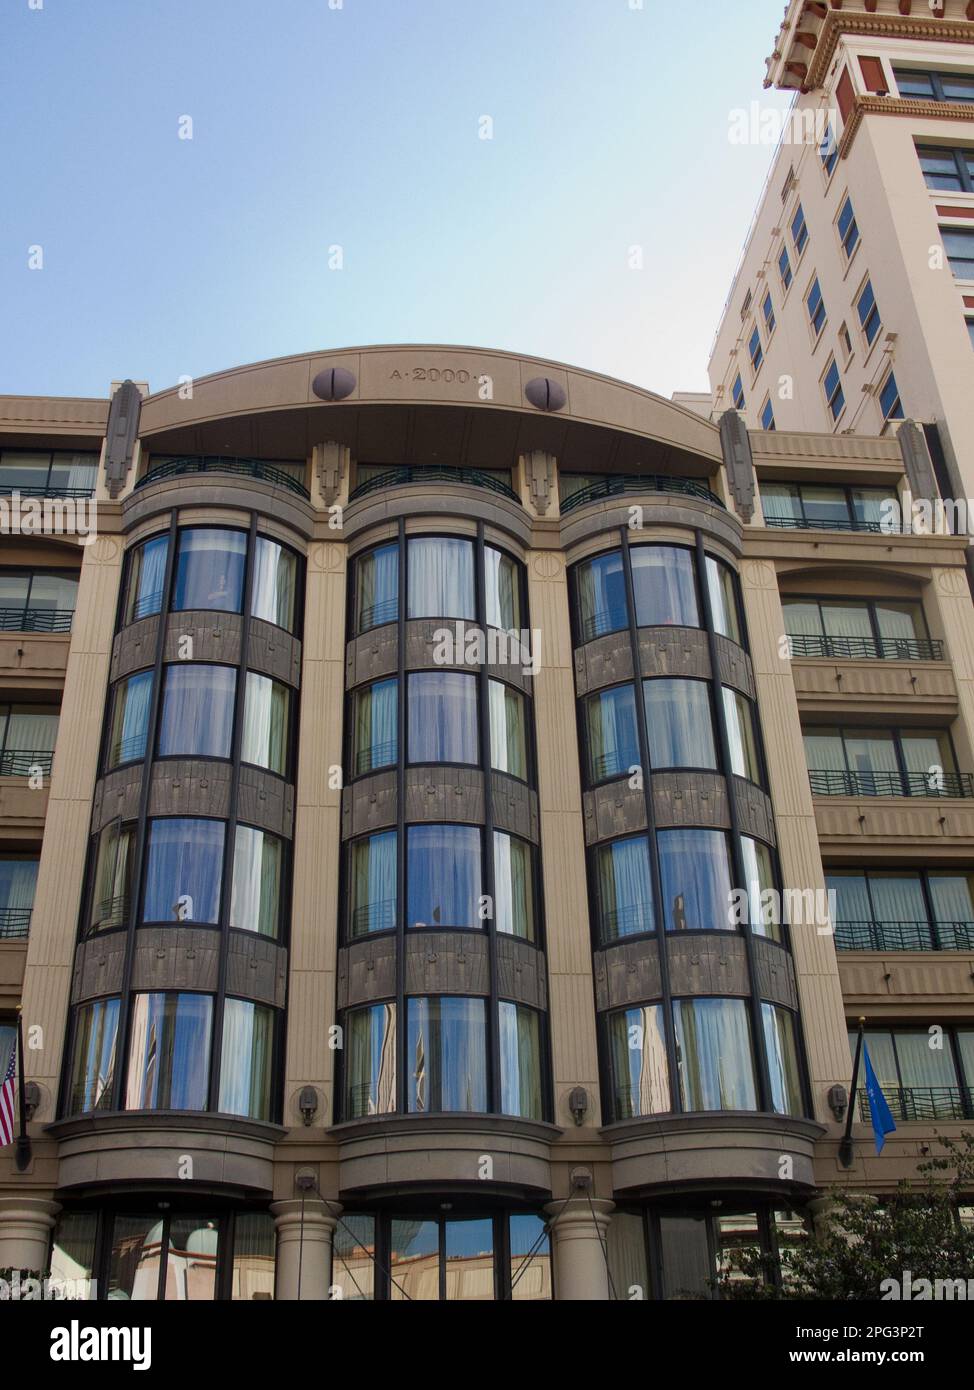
{"type": "Point", "coordinates": [359, 127]}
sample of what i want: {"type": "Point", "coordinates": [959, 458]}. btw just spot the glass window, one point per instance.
{"type": "Point", "coordinates": [829, 151]}
{"type": "Point", "coordinates": [513, 886]}
{"type": "Point", "coordinates": [468, 1247]}
{"type": "Point", "coordinates": [695, 880]}
{"type": "Point", "coordinates": [275, 584]}
{"type": "Point", "coordinates": [664, 585]}
{"type": "Point", "coordinates": [210, 570]}
{"type": "Point", "coordinates": [254, 1253]}
{"type": "Point", "coordinates": [255, 896]}
{"type": "Point", "coordinates": [267, 714]}
{"type": "Point", "coordinates": [146, 579]}
{"type": "Point", "coordinates": [767, 417]}
{"type": "Point", "coordinates": [370, 1061]}
{"type": "Point", "coordinates": [889, 399]}
{"type": "Point", "coordinates": [508, 739]}
{"type": "Point", "coordinates": [624, 889]}
{"type": "Point", "coordinates": [760, 878]}
{"type": "Point", "coordinates": [952, 896]}
{"type": "Point", "coordinates": [136, 1258]}
{"type": "Point", "coordinates": [93, 1062]}
{"type": "Point", "coordinates": [441, 581]}
{"type": "Point", "coordinates": [834, 394]}
{"type": "Point", "coordinates": [714, 1058]}
{"type": "Point", "coordinates": [246, 1059]}
{"type": "Point", "coordinates": [192, 1246]}
{"type": "Point", "coordinates": [73, 1252]}
{"type": "Point", "coordinates": [372, 905]}
{"type": "Point", "coordinates": [610, 725]}
{"type": "Point", "coordinates": [782, 1049]}
{"type": "Point", "coordinates": [756, 351]}
{"type": "Point", "coordinates": [27, 737]}
{"type": "Point", "coordinates": [446, 1050]}
{"type": "Point", "coordinates": [197, 711]}
{"type": "Point", "coordinates": [183, 869]}
{"type": "Point", "coordinates": [169, 1052]}
{"type": "Point", "coordinates": [737, 393]}
{"type": "Point", "coordinates": [868, 310]}
{"type": "Point", "coordinates": [679, 723]}
{"type": "Point", "coordinates": [111, 899]}
{"type": "Point", "coordinates": [520, 1048]}
{"type": "Point", "coordinates": [640, 1073]}
{"type": "Point", "coordinates": [130, 719]}
{"type": "Point", "coordinates": [375, 726]}
{"type": "Point", "coordinates": [377, 588]}
{"type": "Point", "coordinates": [784, 268]}
{"type": "Point", "coordinates": [18, 880]}
{"type": "Point", "coordinates": [741, 735]}
{"type": "Point", "coordinates": [816, 308]}
{"type": "Point", "coordinates": [781, 502]}
{"type": "Point", "coordinates": [959, 245]}
{"type": "Point", "coordinates": [848, 229]}
{"type": "Point", "coordinates": [414, 1260]}
{"type": "Point", "coordinates": [443, 718]}
{"type": "Point", "coordinates": [799, 231]}
{"type": "Point", "coordinates": [601, 594]}
{"type": "Point", "coordinates": [353, 1269]}
{"type": "Point", "coordinates": [767, 309]}
{"type": "Point", "coordinates": [722, 588]}
{"type": "Point", "coordinates": [503, 587]}
{"type": "Point", "coordinates": [530, 1258]}
{"type": "Point", "coordinates": [443, 876]}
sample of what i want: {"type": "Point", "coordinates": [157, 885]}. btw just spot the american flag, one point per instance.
{"type": "Point", "coordinates": [8, 1107]}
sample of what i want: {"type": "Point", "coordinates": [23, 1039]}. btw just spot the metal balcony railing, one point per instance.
{"type": "Point", "coordinates": [375, 756]}
{"type": "Point", "coordinates": [15, 923]}
{"type": "Point", "coordinates": [923, 1102]}
{"type": "Point", "coordinates": [377, 916]}
{"type": "Point", "coordinates": [36, 619]}
{"type": "Point", "coordinates": [634, 484]}
{"type": "Point", "coordinates": [868, 648]}
{"type": "Point", "coordinates": [924, 784]}
{"type": "Point", "coordinates": [814, 523]}
{"type": "Point", "coordinates": [904, 936]}
{"type": "Point", "coordinates": [237, 467]}
{"type": "Point", "coordinates": [613, 764]}
{"type": "Point", "coordinates": [147, 605]}
{"type": "Point", "coordinates": [21, 762]}
{"type": "Point", "coordinates": [47, 490]}
{"type": "Point", "coordinates": [406, 476]}
{"type": "Point", "coordinates": [110, 912]}
{"type": "Point", "coordinates": [385, 611]}
{"type": "Point", "coordinates": [626, 921]}
{"type": "Point", "coordinates": [605, 621]}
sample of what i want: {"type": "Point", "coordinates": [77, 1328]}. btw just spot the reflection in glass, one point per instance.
{"type": "Point", "coordinates": [266, 715]}
{"type": "Point", "coordinates": [245, 1066]}
{"type": "Point", "coordinates": [93, 1065]}
{"type": "Point", "coordinates": [513, 886]}
{"type": "Point", "coordinates": [714, 1059]}
{"type": "Point", "coordinates": [441, 583]}
{"type": "Point", "coordinates": [739, 713]}
{"type": "Point", "coordinates": [197, 711]}
{"type": "Point", "coordinates": [73, 1252]}
{"type": "Point", "coordinates": [443, 876]}
{"type": "Point", "coordinates": [191, 1259]}
{"type": "Point", "coordinates": [446, 1054]}
{"type": "Point", "coordinates": [722, 588]}
{"type": "Point", "coordinates": [137, 1243]}
{"type": "Point", "coordinates": [414, 1260]}
{"type": "Point", "coordinates": [640, 1072]}
{"type": "Point", "coordinates": [210, 570]}
{"type": "Point", "coordinates": [613, 742]}
{"type": "Point", "coordinates": [255, 896]}
{"type": "Point", "coordinates": [782, 1049]}
{"type": "Point", "coordinates": [370, 1061]}
{"type": "Point", "coordinates": [183, 868]}
{"type": "Point", "coordinates": [530, 1258]}
{"type": "Point", "coordinates": [520, 1046]}
{"type": "Point", "coordinates": [503, 590]}
{"type": "Point", "coordinates": [130, 719]}
{"type": "Point", "coordinates": [254, 1254]}
{"type": "Point", "coordinates": [759, 879]}
{"type": "Point", "coordinates": [275, 584]}
{"type": "Point", "coordinates": [443, 718]}
{"type": "Point", "coordinates": [665, 588]}
{"type": "Point", "coordinates": [601, 592]}
{"type": "Point", "coordinates": [508, 742]}
{"type": "Point", "coordinates": [469, 1252]}
{"type": "Point", "coordinates": [353, 1266]}
{"type": "Point", "coordinates": [624, 889]}
{"type": "Point", "coordinates": [695, 880]}
{"type": "Point", "coordinates": [169, 1052]}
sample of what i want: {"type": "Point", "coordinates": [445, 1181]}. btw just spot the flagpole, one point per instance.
{"type": "Point", "coordinates": [845, 1148]}
{"type": "Point", "coordinates": [22, 1154]}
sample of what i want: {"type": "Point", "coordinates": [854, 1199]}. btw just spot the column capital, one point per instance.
{"type": "Point", "coordinates": [304, 1245]}
{"type": "Point", "coordinates": [575, 1218]}
{"type": "Point", "coordinates": [26, 1224]}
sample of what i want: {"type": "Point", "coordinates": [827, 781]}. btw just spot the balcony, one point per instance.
{"type": "Point", "coordinates": [868, 648]}
{"type": "Point", "coordinates": [904, 936]}
{"type": "Point", "coordinates": [918, 784]}
{"type": "Point", "coordinates": [36, 619]}
{"type": "Point", "coordinates": [636, 484]}
{"type": "Point", "coordinates": [236, 467]}
{"type": "Point", "coordinates": [15, 923]}
{"type": "Point", "coordinates": [923, 1103]}
{"type": "Point", "coordinates": [22, 762]}
{"type": "Point", "coordinates": [810, 523]}
{"type": "Point", "coordinates": [408, 476]}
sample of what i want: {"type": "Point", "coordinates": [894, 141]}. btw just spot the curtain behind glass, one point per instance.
{"type": "Point", "coordinates": [256, 889]}
{"type": "Point", "coordinates": [375, 726]}
{"type": "Point", "coordinates": [130, 719]}
{"type": "Point", "coordinates": [625, 1247]}
{"type": "Point", "coordinates": [245, 1067]}
{"type": "Point", "coordinates": [197, 711]}
{"type": "Point", "coordinates": [169, 1052]}
{"type": "Point", "coordinates": [664, 585]}
{"type": "Point", "coordinates": [953, 899]}
{"type": "Point", "coordinates": [266, 713]}
{"type": "Point", "coordinates": [716, 1067]}
{"type": "Point", "coordinates": [373, 883]}
{"type": "Point", "coordinates": [803, 618]}
{"type": "Point", "coordinates": [93, 1069]}
{"type": "Point", "coordinates": [640, 1071]}
{"type": "Point", "coordinates": [900, 621]}
{"type": "Point", "coordinates": [275, 584]}
{"type": "Point", "coordinates": [723, 600]}
{"type": "Point", "coordinates": [513, 886]}
{"type": "Point", "coordinates": [443, 876]}
{"type": "Point", "coordinates": [508, 744]}
{"type": "Point", "coordinates": [847, 620]}
{"type": "Point", "coordinates": [446, 1054]}
{"type": "Point", "coordinates": [758, 878]}
{"type": "Point", "coordinates": [503, 590]}
{"type": "Point", "coordinates": [926, 750]}
{"type": "Point", "coordinates": [601, 589]}
{"type": "Point", "coordinates": [443, 718]}
{"type": "Point", "coordinates": [370, 1061]}
{"type": "Point", "coordinates": [741, 736]}
{"type": "Point", "coordinates": [210, 570]}
{"type": "Point", "coordinates": [520, 1047]}
{"type": "Point", "coordinates": [18, 880]}
{"type": "Point", "coordinates": [695, 880]}
{"type": "Point", "coordinates": [613, 743]}
{"type": "Point", "coordinates": [779, 1038]}
{"type": "Point", "coordinates": [184, 865]}
{"type": "Point", "coordinates": [625, 890]}
{"type": "Point", "coordinates": [254, 1253]}
{"type": "Point", "coordinates": [679, 723]}
{"type": "Point", "coordinates": [440, 578]}
{"type": "Point", "coordinates": [147, 576]}
{"type": "Point", "coordinates": [112, 896]}
{"type": "Point", "coordinates": [377, 588]}
{"type": "Point", "coordinates": [922, 1065]}
{"type": "Point", "coordinates": [31, 728]}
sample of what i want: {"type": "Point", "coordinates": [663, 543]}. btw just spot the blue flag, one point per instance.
{"type": "Point", "coordinates": [879, 1111]}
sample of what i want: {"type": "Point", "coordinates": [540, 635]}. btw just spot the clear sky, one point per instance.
{"type": "Point", "coordinates": [359, 127]}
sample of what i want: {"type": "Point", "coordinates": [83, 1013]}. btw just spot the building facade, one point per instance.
{"type": "Point", "coordinates": [420, 790]}
{"type": "Point", "coordinates": [853, 306]}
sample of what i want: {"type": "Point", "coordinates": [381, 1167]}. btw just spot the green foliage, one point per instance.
{"type": "Point", "coordinates": [868, 1239]}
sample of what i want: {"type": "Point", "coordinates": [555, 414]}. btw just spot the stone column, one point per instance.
{"type": "Point", "coordinates": [578, 1249]}
{"type": "Point", "coordinates": [26, 1224]}
{"type": "Point", "coordinates": [303, 1256]}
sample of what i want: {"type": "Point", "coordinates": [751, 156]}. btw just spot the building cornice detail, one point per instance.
{"type": "Point", "coordinates": [897, 106]}
{"type": "Point", "coordinates": [837, 25]}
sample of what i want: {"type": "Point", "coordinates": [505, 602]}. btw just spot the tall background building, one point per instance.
{"type": "Point", "coordinates": [359, 956]}
{"type": "Point", "coordinates": [853, 307]}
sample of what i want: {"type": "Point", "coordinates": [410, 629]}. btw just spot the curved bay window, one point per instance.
{"type": "Point", "coordinates": [169, 1052]}
{"type": "Point", "coordinates": [443, 720]}
{"type": "Point", "coordinates": [196, 720]}
{"type": "Point", "coordinates": [624, 889]}
{"type": "Point", "coordinates": [376, 588]}
{"type": "Point", "coordinates": [440, 577]}
{"type": "Point", "coordinates": [695, 880]}
{"type": "Point", "coordinates": [444, 876]}
{"type": "Point", "coordinates": [372, 892]}
{"type": "Point", "coordinates": [375, 727]}
{"type": "Point", "coordinates": [612, 737]}
{"type": "Point", "coordinates": [92, 1073]}
{"type": "Point", "coordinates": [665, 587]}
{"type": "Point", "coordinates": [111, 896]}
{"type": "Point", "coordinates": [258, 881]}
{"type": "Point", "coordinates": [266, 726]}
{"type": "Point", "coordinates": [184, 865]}
{"type": "Point", "coordinates": [131, 711]}
{"type": "Point", "coordinates": [515, 874]}
{"type": "Point", "coordinates": [446, 1048]}
{"type": "Point", "coordinates": [680, 724]}
{"type": "Point", "coordinates": [715, 1058]}
{"type": "Point", "coordinates": [275, 585]}
{"type": "Point", "coordinates": [210, 567]}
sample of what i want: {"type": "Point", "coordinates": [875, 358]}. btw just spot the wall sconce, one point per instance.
{"type": "Point", "coordinates": [32, 1098]}
{"type": "Point", "coordinates": [578, 1104]}
{"type": "Point", "coordinates": [308, 1104]}
{"type": "Point", "coordinates": [838, 1101]}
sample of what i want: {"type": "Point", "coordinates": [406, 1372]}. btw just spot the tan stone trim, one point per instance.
{"type": "Point", "coordinates": [840, 25]}
{"type": "Point", "coordinates": [900, 106]}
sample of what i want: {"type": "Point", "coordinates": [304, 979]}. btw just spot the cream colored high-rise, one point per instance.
{"type": "Point", "coordinates": [372, 955]}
